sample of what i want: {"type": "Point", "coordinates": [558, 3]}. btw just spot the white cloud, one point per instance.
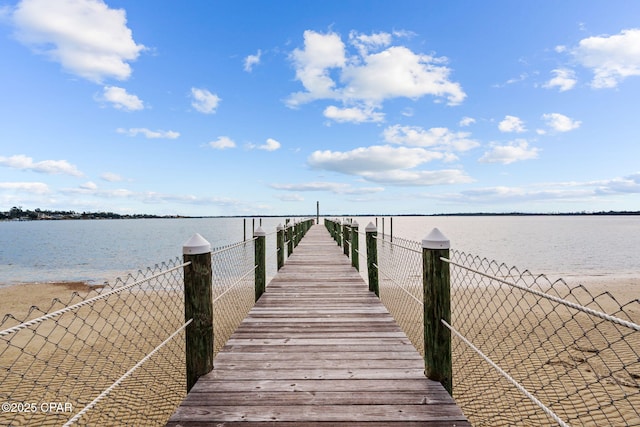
{"type": "Point", "coordinates": [151, 134]}
{"type": "Point", "coordinates": [560, 123]}
{"type": "Point", "coordinates": [466, 121]}
{"type": "Point", "coordinates": [513, 152]}
{"type": "Point", "coordinates": [204, 101]}
{"type": "Point", "coordinates": [28, 187]}
{"type": "Point", "coordinates": [364, 43]}
{"type": "Point", "coordinates": [511, 124]}
{"type": "Point", "coordinates": [611, 58]}
{"type": "Point", "coordinates": [399, 72]}
{"type": "Point", "coordinates": [289, 197]}
{"type": "Point", "coordinates": [333, 187]}
{"type": "Point", "coordinates": [437, 138]}
{"type": "Point", "coordinates": [270, 145]}
{"type": "Point", "coordinates": [564, 79]}
{"type": "Point", "coordinates": [420, 178]}
{"type": "Point", "coordinates": [222, 142]}
{"type": "Point", "coordinates": [375, 158]}
{"type": "Point", "coordinates": [368, 77]}
{"type": "Point", "coordinates": [252, 60]}
{"type": "Point", "coordinates": [321, 53]}
{"type": "Point", "coordinates": [90, 185]}
{"type": "Point", "coordinates": [111, 177]}
{"type": "Point", "coordinates": [52, 167]}
{"type": "Point", "coordinates": [86, 37]}
{"type": "Point", "coordinates": [353, 114]}
{"type": "Point", "coordinates": [121, 99]}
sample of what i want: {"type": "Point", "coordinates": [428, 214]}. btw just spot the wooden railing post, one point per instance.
{"type": "Point", "coordinates": [339, 233]}
{"type": "Point", "coordinates": [260, 262]}
{"type": "Point", "coordinates": [372, 258]}
{"type": "Point", "coordinates": [437, 306]}
{"type": "Point", "coordinates": [280, 245]}
{"type": "Point", "coordinates": [346, 234]}
{"type": "Point", "coordinates": [289, 239]}
{"type": "Point", "coordinates": [198, 305]}
{"type": "Point", "coordinates": [355, 257]}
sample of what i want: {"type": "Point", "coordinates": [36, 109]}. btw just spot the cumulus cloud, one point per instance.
{"type": "Point", "coordinates": [151, 134]}
{"type": "Point", "coordinates": [363, 79]}
{"type": "Point", "coordinates": [560, 123]}
{"type": "Point", "coordinates": [466, 121]}
{"type": "Point", "coordinates": [513, 152]}
{"type": "Point", "coordinates": [51, 167]}
{"type": "Point", "coordinates": [222, 143]}
{"type": "Point", "coordinates": [511, 124]}
{"type": "Point", "coordinates": [122, 100]}
{"type": "Point", "coordinates": [564, 79]}
{"type": "Point", "coordinates": [375, 158]}
{"type": "Point", "coordinates": [28, 187]}
{"type": "Point", "coordinates": [420, 178]}
{"type": "Point", "coordinates": [86, 37]}
{"type": "Point", "coordinates": [251, 60]}
{"type": "Point", "coordinates": [269, 145]}
{"type": "Point", "coordinates": [204, 101]}
{"type": "Point", "coordinates": [353, 114]}
{"type": "Point", "coordinates": [612, 58]}
{"type": "Point", "coordinates": [437, 138]}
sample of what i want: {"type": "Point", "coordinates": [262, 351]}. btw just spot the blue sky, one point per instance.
{"type": "Point", "coordinates": [265, 107]}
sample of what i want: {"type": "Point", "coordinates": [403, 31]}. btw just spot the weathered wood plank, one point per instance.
{"type": "Point", "coordinates": [318, 349]}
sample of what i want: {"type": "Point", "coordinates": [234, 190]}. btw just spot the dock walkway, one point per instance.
{"type": "Point", "coordinates": [318, 349]}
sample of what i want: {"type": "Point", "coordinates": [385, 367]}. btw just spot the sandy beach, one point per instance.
{"type": "Point", "coordinates": [162, 377]}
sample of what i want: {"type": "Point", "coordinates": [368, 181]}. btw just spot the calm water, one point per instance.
{"type": "Point", "coordinates": [98, 250]}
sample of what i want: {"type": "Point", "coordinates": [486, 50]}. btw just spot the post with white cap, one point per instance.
{"type": "Point", "coordinates": [260, 262]}
{"type": "Point", "coordinates": [355, 261]}
{"type": "Point", "coordinates": [437, 306]}
{"type": "Point", "coordinates": [280, 245]}
{"type": "Point", "coordinates": [372, 258]}
{"type": "Point", "coordinates": [198, 305]}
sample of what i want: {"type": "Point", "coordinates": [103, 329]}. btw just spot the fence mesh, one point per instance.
{"type": "Point", "coordinates": [54, 362]}
{"type": "Point", "coordinates": [233, 291]}
{"type": "Point", "coordinates": [68, 359]}
{"type": "Point", "coordinates": [585, 369]}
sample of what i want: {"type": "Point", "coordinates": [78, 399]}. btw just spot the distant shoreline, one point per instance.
{"type": "Point", "coordinates": [16, 214]}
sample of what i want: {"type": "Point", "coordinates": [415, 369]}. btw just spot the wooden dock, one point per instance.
{"type": "Point", "coordinates": [318, 349]}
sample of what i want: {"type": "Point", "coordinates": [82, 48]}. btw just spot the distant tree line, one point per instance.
{"type": "Point", "coordinates": [17, 213]}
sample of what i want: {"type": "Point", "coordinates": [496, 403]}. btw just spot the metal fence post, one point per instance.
{"type": "Point", "coordinates": [372, 258]}
{"type": "Point", "coordinates": [280, 245]}
{"type": "Point", "coordinates": [355, 261]}
{"type": "Point", "coordinates": [260, 262]}
{"type": "Point", "coordinates": [437, 305]}
{"type": "Point", "coordinates": [198, 305]}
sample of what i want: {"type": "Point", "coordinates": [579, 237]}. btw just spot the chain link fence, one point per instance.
{"type": "Point", "coordinates": [115, 355]}
{"type": "Point", "coordinates": [526, 350]}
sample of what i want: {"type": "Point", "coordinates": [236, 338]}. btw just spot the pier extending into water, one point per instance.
{"type": "Point", "coordinates": [512, 347]}
{"type": "Point", "coordinates": [318, 347]}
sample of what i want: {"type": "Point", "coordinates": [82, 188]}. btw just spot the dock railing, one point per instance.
{"type": "Point", "coordinates": [120, 354]}
{"type": "Point", "coordinates": [523, 349]}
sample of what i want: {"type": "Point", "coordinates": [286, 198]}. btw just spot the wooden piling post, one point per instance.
{"type": "Point", "coordinates": [372, 257]}
{"type": "Point", "coordinates": [339, 232]}
{"type": "Point", "coordinates": [355, 257]}
{"type": "Point", "coordinates": [260, 262]}
{"type": "Point", "coordinates": [437, 305]}
{"type": "Point", "coordinates": [346, 234]}
{"type": "Point", "coordinates": [280, 245]}
{"type": "Point", "coordinates": [198, 305]}
{"type": "Point", "coordinates": [289, 239]}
